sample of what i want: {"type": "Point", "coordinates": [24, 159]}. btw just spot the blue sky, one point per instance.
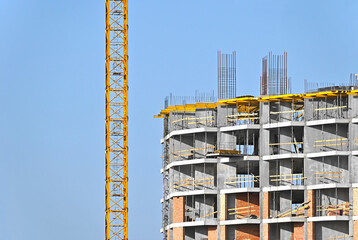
{"type": "Point", "coordinates": [52, 94]}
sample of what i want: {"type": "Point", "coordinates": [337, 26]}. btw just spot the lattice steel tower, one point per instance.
{"type": "Point", "coordinates": [116, 196]}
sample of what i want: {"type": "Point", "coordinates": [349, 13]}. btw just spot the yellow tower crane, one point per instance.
{"type": "Point", "coordinates": [116, 153]}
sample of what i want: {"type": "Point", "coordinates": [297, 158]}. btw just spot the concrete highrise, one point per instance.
{"type": "Point", "coordinates": [275, 167]}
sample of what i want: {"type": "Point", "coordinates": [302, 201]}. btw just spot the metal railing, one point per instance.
{"type": "Point", "coordinates": [296, 179]}
{"type": "Point", "coordinates": [243, 181]}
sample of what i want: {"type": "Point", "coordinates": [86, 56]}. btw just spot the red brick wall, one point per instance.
{"type": "Point", "coordinates": [178, 209]}
{"type": "Point", "coordinates": [248, 231]}
{"type": "Point", "coordinates": [298, 231]}
{"type": "Point", "coordinates": [212, 233]}
{"type": "Point", "coordinates": [248, 203]}
{"type": "Point", "coordinates": [178, 233]}
{"type": "Point", "coordinates": [265, 205]}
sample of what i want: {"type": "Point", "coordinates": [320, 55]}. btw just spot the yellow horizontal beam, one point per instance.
{"type": "Point", "coordinates": [287, 179]}
{"type": "Point", "coordinates": [254, 101]}
{"type": "Point", "coordinates": [332, 140]}
{"type": "Point", "coordinates": [289, 143]}
{"type": "Point", "coordinates": [329, 108]}
{"type": "Point", "coordinates": [287, 175]}
{"type": "Point", "coordinates": [320, 173]}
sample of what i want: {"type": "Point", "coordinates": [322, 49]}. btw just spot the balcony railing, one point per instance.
{"type": "Point", "coordinates": [333, 210]}
{"type": "Point", "coordinates": [192, 122]}
{"type": "Point", "coordinates": [332, 144]}
{"type": "Point", "coordinates": [328, 177]}
{"type": "Point", "coordinates": [190, 184]}
{"type": "Point", "coordinates": [243, 181]}
{"type": "Point", "coordinates": [287, 116]}
{"type": "Point", "coordinates": [243, 119]}
{"type": "Point", "coordinates": [296, 179]}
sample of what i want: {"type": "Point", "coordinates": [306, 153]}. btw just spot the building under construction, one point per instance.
{"type": "Point", "coordinates": [280, 166]}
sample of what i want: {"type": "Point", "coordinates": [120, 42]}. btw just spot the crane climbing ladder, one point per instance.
{"type": "Point", "coordinates": [116, 91]}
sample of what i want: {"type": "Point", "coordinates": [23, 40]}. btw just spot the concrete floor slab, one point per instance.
{"type": "Point", "coordinates": [284, 219]}
{"type": "Point", "coordinates": [240, 221]}
{"type": "Point", "coordinates": [239, 190]}
{"type": "Point", "coordinates": [283, 188]}
{"type": "Point", "coordinates": [283, 124]}
{"type": "Point", "coordinates": [327, 121]}
{"type": "Point", "coordinates": [193, 192]}
{"type": "Point", "coordinates": [283, 156]}
{"type": "Point", "coordinates": [328, 218]}
{"type": "Point", "coordinates": [240, 127]}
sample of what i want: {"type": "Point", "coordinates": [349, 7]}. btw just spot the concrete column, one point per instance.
{"type": "Point", "coordinates": [311, 213]}
{"type": "Point", "coordinates": [212, 233]}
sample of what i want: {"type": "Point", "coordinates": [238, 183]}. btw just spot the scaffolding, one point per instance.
{"type": "Point", "coordinates": [330, 107]}
{"type": "Point", "coordinates": [286, 110]}
{"type": "Point", "coordinates": [332, 202]}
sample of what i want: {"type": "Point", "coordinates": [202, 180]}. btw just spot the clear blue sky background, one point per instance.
{"type": "Point", "coordinates": [52, 94]}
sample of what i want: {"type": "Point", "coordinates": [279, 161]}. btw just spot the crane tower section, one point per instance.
{"type": "Point", "coordinates": [116, 152]}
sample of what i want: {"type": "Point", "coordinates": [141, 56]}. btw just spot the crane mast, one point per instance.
{"type": "Point", "coordinates": [116, 152]}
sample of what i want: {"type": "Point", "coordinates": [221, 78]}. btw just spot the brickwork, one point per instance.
{"type": "Point", "coordinates": [266, 231]}
{"type": "Point", "coordinates": [310, 213]}
{"type": "Point", "coordinates": [223, 207]}
{"type": "Point", "coordinates": [355, 201]}
{"type": "Point", "coordinates": [298, 231]}
{"type": "Point", "coordinates": [248, 203]}
{"type": "Point", "coordinates": [212, 233]}
{"type": "Point", "coordinates": [178, 209]}
{"type": "Point", "coordinates": [222, 232]}
{"type": "Point", "coordinates": [248, 231]}
{"type": "Point", "coordinates": [310, 231]}
{"type": "Point", "coordinates": [311, 204]}
{"type": "Point", "coordinates": [178, 233]}
{"type": "Point", "coordinates": [355, 230]}
{"type": "Point", "coordinates": [265, 205]}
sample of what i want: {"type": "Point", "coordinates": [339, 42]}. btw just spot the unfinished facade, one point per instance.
{"type": "Point", "coordinates": [277, 167]}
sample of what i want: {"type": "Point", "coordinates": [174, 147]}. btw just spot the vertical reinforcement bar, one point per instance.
{"type": "Point", "coordinates": [116, 152]}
